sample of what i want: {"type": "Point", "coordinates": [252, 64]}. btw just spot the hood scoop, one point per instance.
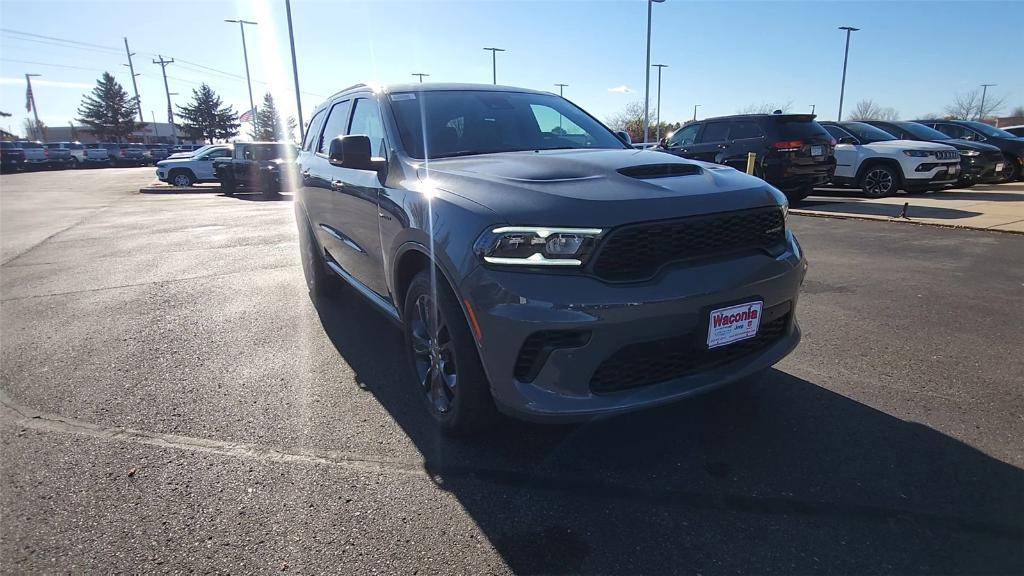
{"type": "Point", "coordinates": [652, 171]}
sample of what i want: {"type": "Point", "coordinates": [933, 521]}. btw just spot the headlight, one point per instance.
{"type": "Point", "coordinates": [970, 153]}
{"type": "Point", "coordinates": [537, 246]}
{"type": "Point", "coordinates": [918, 153]}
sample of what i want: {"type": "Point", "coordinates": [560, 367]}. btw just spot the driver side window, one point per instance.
{"type": "Point", "coordinates": [684, 136]}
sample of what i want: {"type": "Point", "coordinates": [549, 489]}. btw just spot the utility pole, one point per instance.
{"type": "Point", "coordinates": [170, 112]}
{"type": "Point", "coordinates": [560, 86]}
{"type": "Point", "coordinates": [421, 75]}
{"type": "Point", "coordinates": [647, 71]}
{"type": "Point", "coordinates": [846, 56]}
{"type": "Point", "coordinates": [657, 129]}
{"type": "Point", "coordinates": [245, 54]}
{"type": "Point", "coordinates": [695, 112]}
{"type": "Point", "coordinates": [156, 131]}
{"type": "Point", "coordinates": [295, 70]}
{"type": "Point", "coordinates": [981, 109]}
{"type": "Point", "coordinates": [494, 62]}
{"type": "Point", "coordinates": [31, 102]}
{"type": "Point", "coordinates": [135, 86]}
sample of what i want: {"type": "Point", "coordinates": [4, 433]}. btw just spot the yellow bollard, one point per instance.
{"type": "Point", "coordinates": [751, 157]}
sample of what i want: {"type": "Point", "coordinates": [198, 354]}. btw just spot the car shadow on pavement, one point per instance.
{"type": "Point", "coordinates": [772, 475]}
{"type": "Point", "coordinates": [881, 209]}
{"type": "Point", "coordinates": [256, 196]}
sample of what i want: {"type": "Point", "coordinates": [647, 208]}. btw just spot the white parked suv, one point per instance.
{"type": "Point", "coordinates": [196, 168]}
{"type": "Point", "coordinates": [880, 164]}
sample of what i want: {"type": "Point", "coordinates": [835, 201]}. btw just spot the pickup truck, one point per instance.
{"type": "Point", "coordinates": [35, 153]}
{"type": "Point", "coordinates": [12, 158]}
{"type": "Point", "coordinates": [96, 155]}
{"type": "Point", "coordinates": [58, 157]}
{"type": "Point", "coordinates": [192, 169]}
{"type": "Point", "coordinates": [265, 166]}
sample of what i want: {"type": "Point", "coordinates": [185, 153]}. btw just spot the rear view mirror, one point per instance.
{"type": "Point", "coordinates": [624, 136]}
{"type": "Point", "coordinates": [351, 152]}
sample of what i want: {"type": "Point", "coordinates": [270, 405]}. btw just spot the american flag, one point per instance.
{"type": "Point", "coordinates": [247, 117]}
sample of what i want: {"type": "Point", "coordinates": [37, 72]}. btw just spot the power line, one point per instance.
{"type": "Point", "coordinates": [54, 38]}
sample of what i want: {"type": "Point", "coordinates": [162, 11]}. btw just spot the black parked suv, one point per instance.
{"type": "Point", "coordinates": [539, 265]}
{"type": "Point", "coordinates": [1012, 146]}
{"type": "Point", "coordinates": [794, 153]}
{"type": "Point", "coordinates": [980, 163]}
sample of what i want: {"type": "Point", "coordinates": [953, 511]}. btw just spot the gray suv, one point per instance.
{"type": "Point", "coordinates": [539, 265]}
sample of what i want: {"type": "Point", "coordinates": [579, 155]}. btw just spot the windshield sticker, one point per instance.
{"type": "Point", "coordinates": [403, 96]}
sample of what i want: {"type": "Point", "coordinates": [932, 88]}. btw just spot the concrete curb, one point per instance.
{"type": "Point", "coordinates": [848, 216]}
{"type": "Point", "coordinates": [179, 189]}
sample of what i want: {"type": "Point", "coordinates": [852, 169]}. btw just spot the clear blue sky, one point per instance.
{"type": "Point", "coordinates": [913, 56]}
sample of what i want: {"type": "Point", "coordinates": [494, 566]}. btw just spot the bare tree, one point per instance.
{"type": "Point", "coordinates": [766, 108]}
{"type": "Point", "coordinates": [967, 106]}
{"type": "Point", "coordinates": [631, 120]}
{"type": "Point", "coordinates": [868, 110]}
{"type": "Point", "coordinates": [34, 131]}
{"type": "Point", "coordinates": [1017, 111]}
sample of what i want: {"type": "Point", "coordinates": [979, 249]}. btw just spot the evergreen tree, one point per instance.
{"type": "Point", "coordinates": [108, 111]}
{"type": "Point", "coordinates": [269, 126]}
{"type": "Point", "coordinates": [206, 118]}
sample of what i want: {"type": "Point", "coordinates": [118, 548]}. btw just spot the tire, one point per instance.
{"type": "Point", "coordinates": [795, 196]}
{"type": "Point", "coordinates": [182, 178]}
{"type": "Point", "coordinates": [269, 188]}
{"type": "Point", "coordinates": [442, 355]}
{"type": "Point", "coordinates": [75, 164]}
{"type": "Point", "coordinates": [227, 185]}
{"type": "Point", "coordinates": [1013, 171]}
{"type": "Point", "coordinates": [879, 181]}
{"type": "Point", "coordinates": [319, 282]}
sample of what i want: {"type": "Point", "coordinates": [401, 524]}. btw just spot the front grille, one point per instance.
{"type": "Point", "coordinates": [638, 251]}
{"type": "Point", "coordinates": [646, 363]}
{"type": "Point", "coordinates": [539, 345]}
{"type": "Point", "coordinates": [947, 155]}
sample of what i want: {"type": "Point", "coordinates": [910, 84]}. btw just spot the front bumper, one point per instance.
{"type": "Point", "coordinates": [932, 176]}
{"type": "Point", "coordinates": [981, 169]}
{"type": "Point", "coordinates": [788, 176]}
{"type": "Point", "coordinates": [510, 306]}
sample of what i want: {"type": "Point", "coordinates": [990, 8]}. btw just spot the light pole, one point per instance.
{"type": "Point", "coordinates": [421, 75]}
{"type": "Point", "coordinates": [560, 86]}
{"type": "Point", "coordinates": [494, 62]}
{"type": "Point", "coordinates": [981, 109]}
{"type": "Point", "coordinates": [647, 70]}
{"type": "Point", "coordinates": [812, 108]}
{"type": "Point", "coordinates": [37, 130]}
{"type": "Point", "coordinates": [135, 86]}
{"type": "Point", "coordinates": [657, 122]}
{"type": "Point", "coordinates": [245, 54]}
{"type": "Point", "coordinates": [846, 56]}
{"type": "Point", "coordinates": [295, 71]}
{"type": "Point", "coordinates": [695, 112]}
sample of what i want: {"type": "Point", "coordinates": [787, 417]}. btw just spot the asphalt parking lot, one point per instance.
{"type": "Point", "coordinates": [173, 401]}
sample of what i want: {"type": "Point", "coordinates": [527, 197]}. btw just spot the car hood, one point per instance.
{"type": "Point", "coordinates": [961, 144]}
{"type": "Point", "coordinates": [596, 187]}
{"type": "Point", "coordinates": [173, 160]}
{"type": "Point", "coordinates": [910, 145]}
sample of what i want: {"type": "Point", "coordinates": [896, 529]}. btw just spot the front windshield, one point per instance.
{"type": "Point", "coordinates": [990, 131]}
{"type": "Point", "coordinates": [923, 132]}
{"type": "Point", "coordinates": [867, 133]}
{"type": "Point", "coordinates": [466, 122]}
{"type": "Point", "coordinates": [202, 150]}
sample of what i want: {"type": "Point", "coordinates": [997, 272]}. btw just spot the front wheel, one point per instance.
{"type": "Point", "coordinates": [442, 354]}
{"type": "Point", "coordinates": [182, 179]}
{"type": "Point", "coordinates": [1012, 172]}
{"type": "Point", "coordinates": [879, 181]}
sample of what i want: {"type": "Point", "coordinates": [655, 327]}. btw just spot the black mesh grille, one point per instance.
{"type": "Point", "coordinates": [538, 347]}
{"type": "Point", "coordinates": [638, 251]}
{"type": "Point", "coordinates": [647, 363]}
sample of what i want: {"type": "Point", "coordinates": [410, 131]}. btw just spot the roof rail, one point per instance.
{"type": "Point", "coordinates": [343, 90]}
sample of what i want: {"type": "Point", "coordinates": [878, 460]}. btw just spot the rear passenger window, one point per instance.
{"type": "Point", "coordinates": [684, 136]}
{"type": "Point", "coordinates": [951, 130]}
{"type": "Point", "coordinates": [745, 129]}
{"type": "Point", "coordinates": [334, 125]}
{"type": "Point", "coordinates": [366, 120]}
{"type": "Point", "coordinates": [715, 132]}
{"type": "Point", "coordinates": [313, 130]}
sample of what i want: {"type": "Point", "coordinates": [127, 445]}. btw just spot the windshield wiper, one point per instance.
{"type": "Point", "coordinates": [461, 153]}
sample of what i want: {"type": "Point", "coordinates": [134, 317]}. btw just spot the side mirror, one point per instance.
{"type": "Point", "coordinates": [663, 142]}
{"type": "Point", "coordinates": [351, 152]}
{"type": "Point", "coordinates": [624, 136]}
{"type": "Point", "coordinates": [846, 140]}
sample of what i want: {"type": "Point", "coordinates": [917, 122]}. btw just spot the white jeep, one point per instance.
{"type": "Point", "coordinates": [197, 168]}
{"type": "Point", "coordinates": [880, 164]}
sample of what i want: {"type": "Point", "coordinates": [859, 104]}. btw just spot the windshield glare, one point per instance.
{"type": "Point", "coordinates": [867, 133]}
{"type": "Point", "coordinates": [923, 132]}
{"type": "Point", "coordinates": [461, 123]}
{"type": "Point", "coordinates": [990, 130]}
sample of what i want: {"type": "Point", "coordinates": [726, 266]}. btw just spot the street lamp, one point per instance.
{"type": "Point", "coordinates": [695, 112]}
{"type": "Point", "coordinates": [560, 86]}
{"type": "Point", "coordinates": [981, 109]}
{"type": "Point", "coordinates": [494, 62]}
{"type": "Point", "coordinates": [846, 56]}
{"type": "Point", "coordinates": [647, 69]}
{"type": "Point", "coordinates": [812, 108]}
{"type": "Point", "coordinates": [245, 54]}
{"type": "Point", "coordinates": [421, 75]}
{"type": "Point", "coordinates": [657, 123]}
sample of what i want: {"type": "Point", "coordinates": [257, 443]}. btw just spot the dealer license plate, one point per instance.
{"type": "Point", "coordinates": [728, 325]}
{"type": "Point", "coordinates": [999, 167]}
{"type": "Point", "coordinates": [817, 150]}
